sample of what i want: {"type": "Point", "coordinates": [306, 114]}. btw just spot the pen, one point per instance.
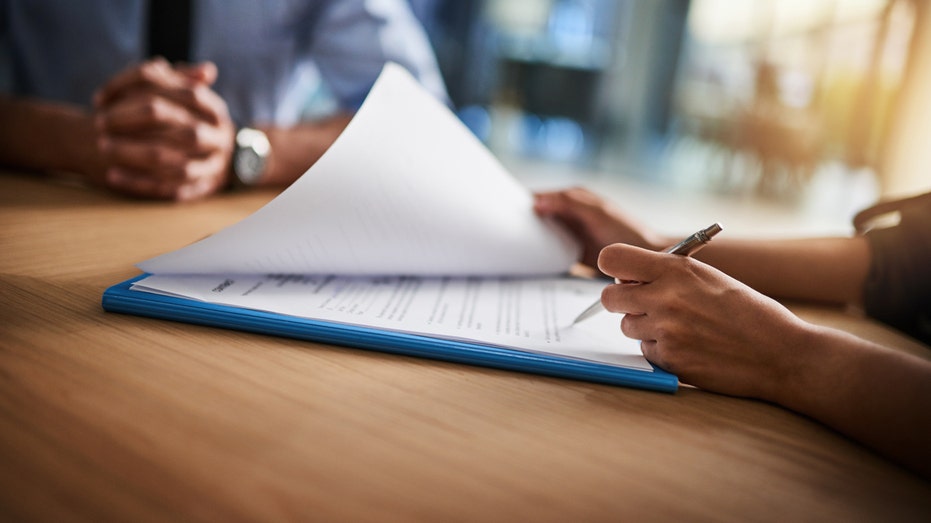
{"type": "Point", "coordinates": [686, 247]}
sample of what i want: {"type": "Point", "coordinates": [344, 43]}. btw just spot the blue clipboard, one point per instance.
{"type": "Point", "coordinates": [120, 298]}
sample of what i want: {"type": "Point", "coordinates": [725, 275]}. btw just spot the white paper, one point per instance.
{"type": "Point", "coordinates": [530, 314]}
{"type": "Point", "coordinates": [406, 189]}
{"type": "Point", "coordinates": [408, 193]}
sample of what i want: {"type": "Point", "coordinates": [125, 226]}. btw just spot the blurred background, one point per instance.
{"type": "Point", "coordinates": [809, 106]}
{"type": "Point", "coordinates": [801, 111]}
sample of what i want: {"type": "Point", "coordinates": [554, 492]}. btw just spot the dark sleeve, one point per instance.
{"type": "Point", "coordinates": [898, 288]}
{"type": "Point", "coordinates": [6, 51]}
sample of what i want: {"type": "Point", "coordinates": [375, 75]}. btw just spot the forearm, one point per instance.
{"type": "Point", "coordinates": [873, 394]}
{"type": "Point", "coordinates": [819, 269]}
{"type": "Point", "coordinates": [43, 136]}
{"type": "Point", "coordinates": [295, 149]}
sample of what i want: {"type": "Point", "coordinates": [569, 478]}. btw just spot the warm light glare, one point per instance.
{"type": "Point", "coordinates": [727, 21]}
{"type": "Point", "coordinates": [802, 84]}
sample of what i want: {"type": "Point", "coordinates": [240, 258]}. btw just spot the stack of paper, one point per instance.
{"type": "Point", "coordinates": [408, 225]}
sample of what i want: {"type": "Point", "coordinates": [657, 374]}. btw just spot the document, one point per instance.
{"type": "Point", "coordinates": [531, 314]}
{"type": "Point", "coordinates": [406, 225]}
{"type": "Point", "coordinates": [405, 189]}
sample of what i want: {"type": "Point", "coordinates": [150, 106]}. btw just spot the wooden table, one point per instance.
{"type": "Point", "coordinates": [112, 417]}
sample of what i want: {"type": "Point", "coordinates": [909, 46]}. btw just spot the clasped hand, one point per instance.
{"type": "Point", "coordinates": [163, 132]}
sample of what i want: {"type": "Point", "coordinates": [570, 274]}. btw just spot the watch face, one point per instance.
{"type": "Point", "coordinates": [252, 149]}
{"type": "Point", "coordinates": [248, 165]}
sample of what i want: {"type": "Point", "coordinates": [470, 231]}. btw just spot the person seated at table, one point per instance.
{"type": "Point", "coordinates": [236, 84]}
{"type": "Point", "coordinates": [712, 321]}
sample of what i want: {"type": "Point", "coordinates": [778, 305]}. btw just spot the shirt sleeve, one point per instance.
{"type": "Point", "coordinates": [898, 288]}
{"type": "Point", "coordinates": [6, 51]}
{"type": "Point", "coordinates": [353, 39]}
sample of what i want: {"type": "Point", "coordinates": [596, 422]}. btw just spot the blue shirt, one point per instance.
{"type": "Point", "coordinates": [272, 55]}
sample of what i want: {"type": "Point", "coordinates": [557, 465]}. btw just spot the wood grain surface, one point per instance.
{"type": "Point", "coordinates": [112, 417]}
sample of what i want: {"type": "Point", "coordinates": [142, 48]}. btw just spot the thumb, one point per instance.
{"type": "Point", "coordinates": [204, 72]}
{"type": "Point", "coordinates": [632, 264]}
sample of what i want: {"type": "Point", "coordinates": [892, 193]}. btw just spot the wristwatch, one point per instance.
{"type": "Point", "coordinates": [250, 154]}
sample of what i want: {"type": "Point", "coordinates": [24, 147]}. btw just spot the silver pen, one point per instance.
{"type": "Point", "coordinates": [686, 247]}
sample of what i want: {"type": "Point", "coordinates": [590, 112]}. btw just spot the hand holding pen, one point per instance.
{"type": "Point", "coordinates": [686, 247]}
